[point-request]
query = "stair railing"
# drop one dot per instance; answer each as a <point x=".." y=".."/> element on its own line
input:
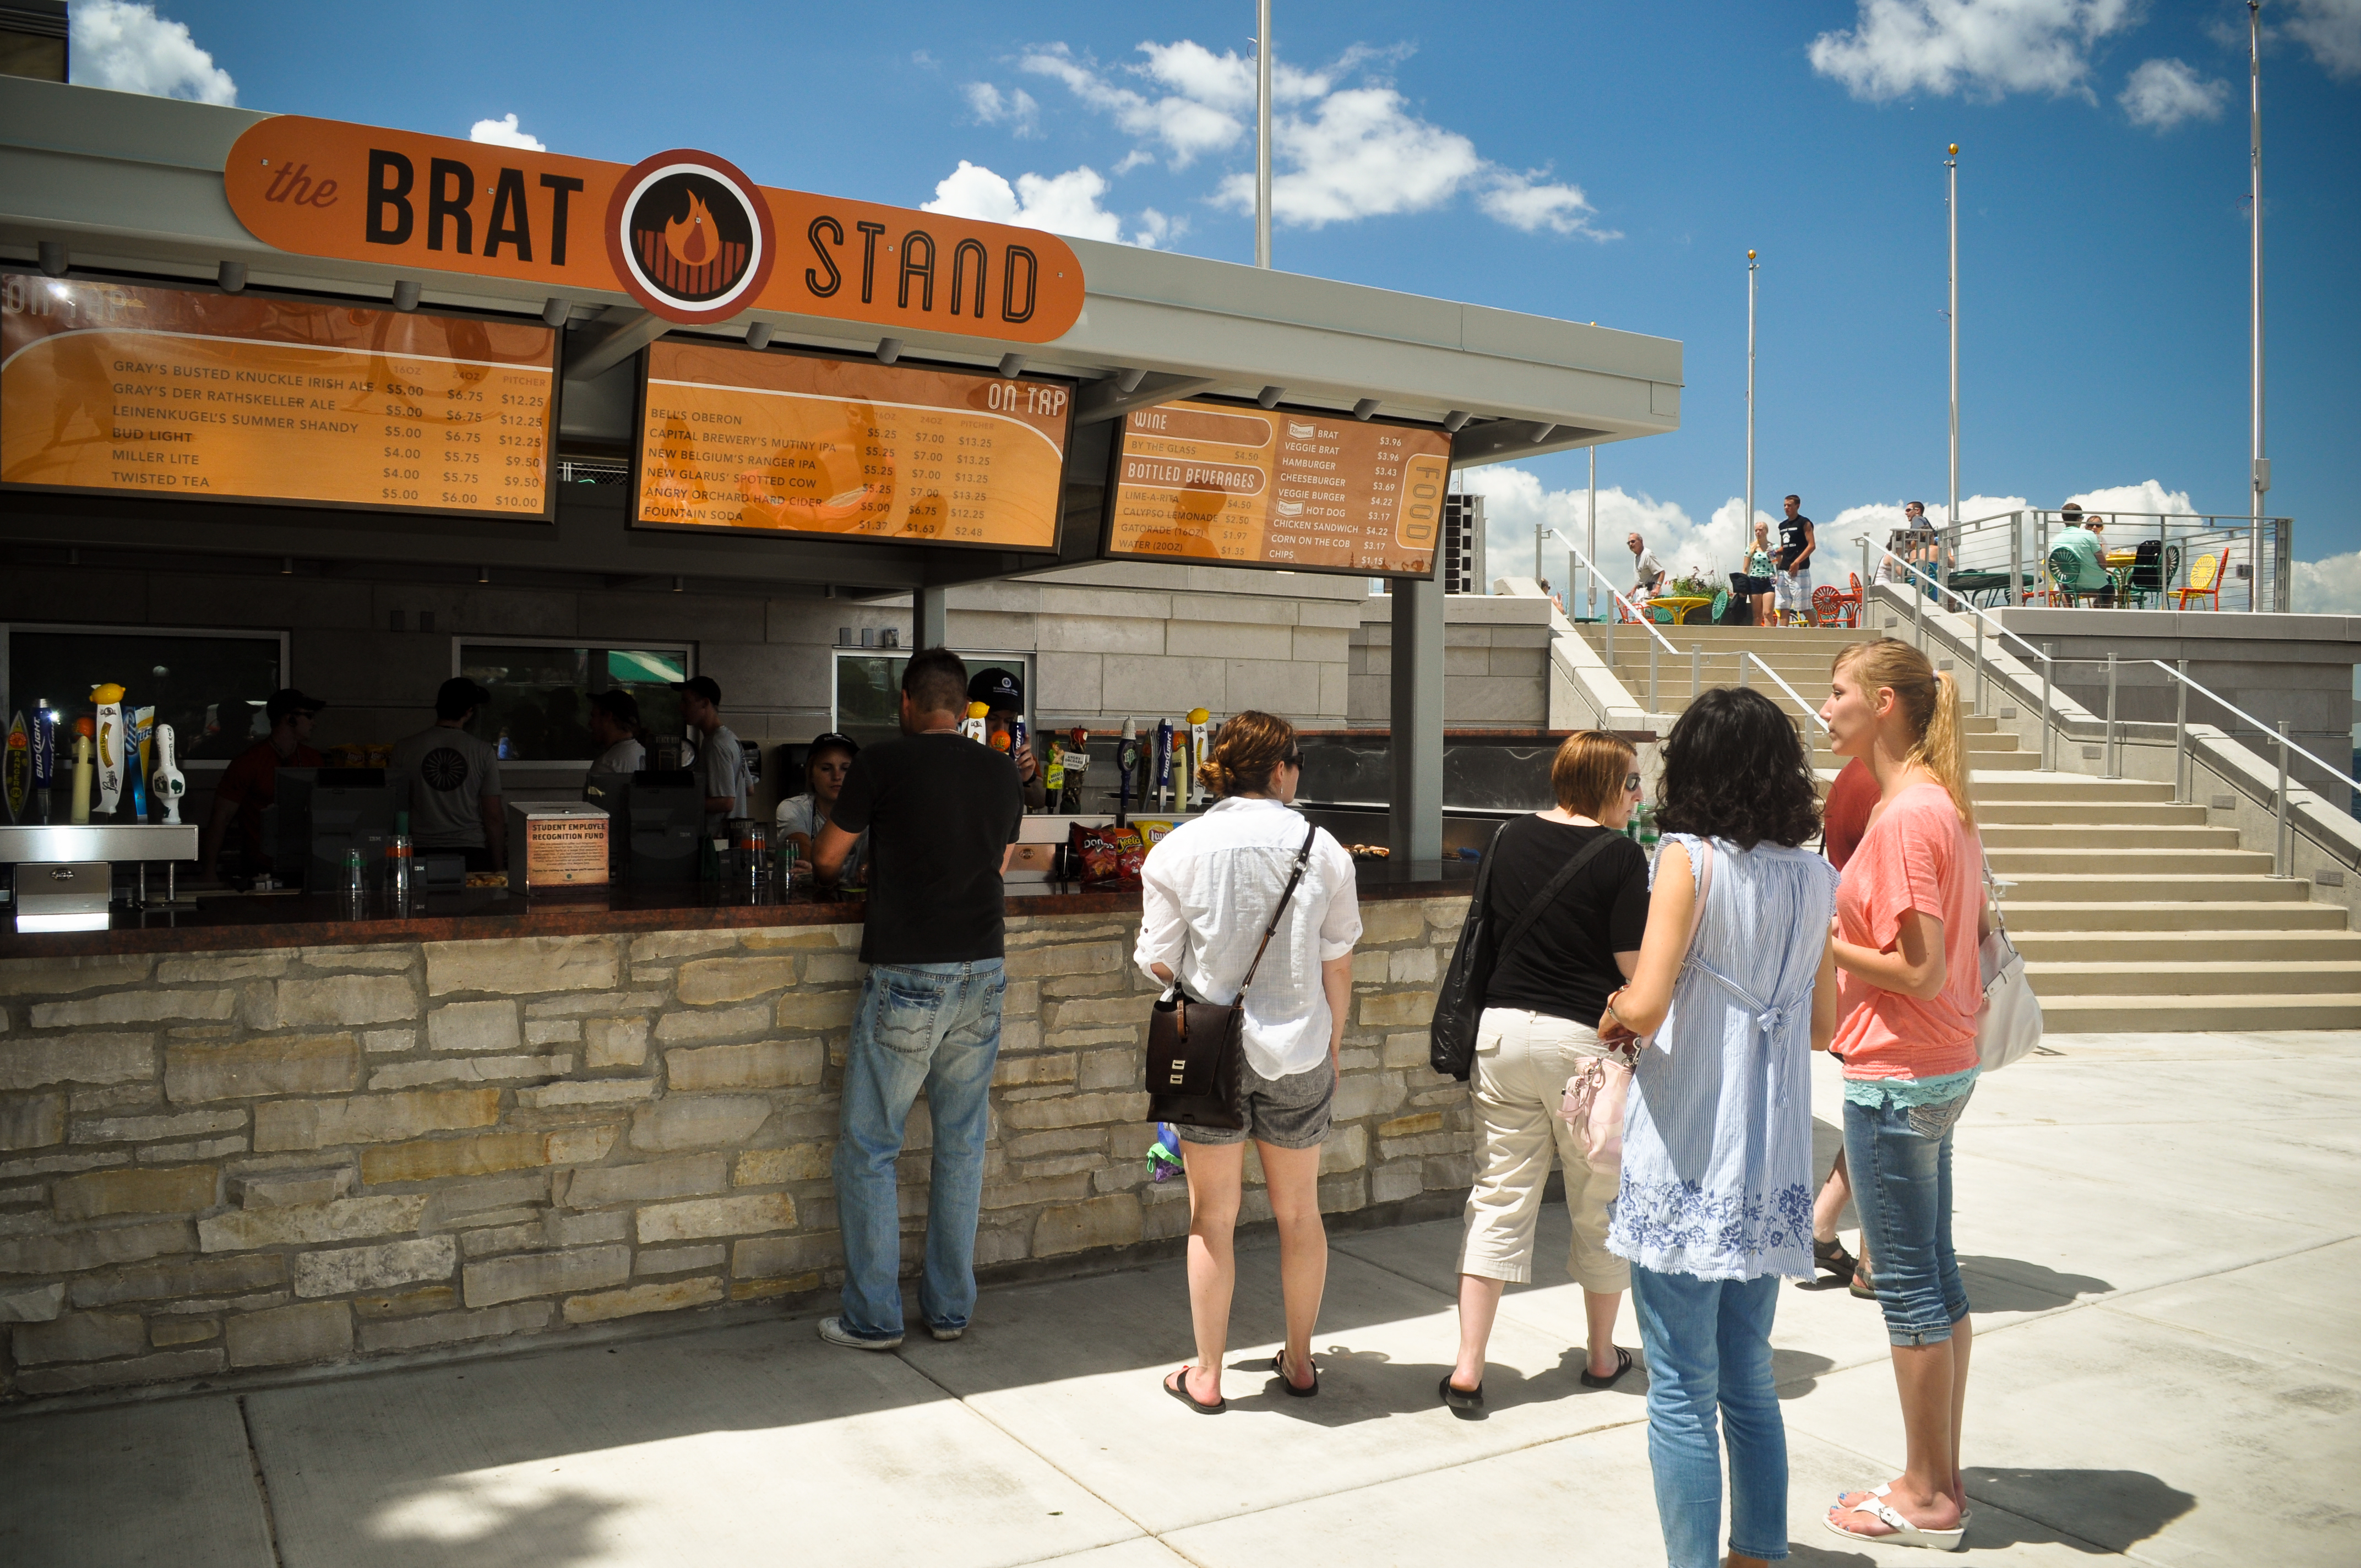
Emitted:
<point x="1810" y="712"/>
<point x="1659" y="644"/>
<point x="1915" y="579"/>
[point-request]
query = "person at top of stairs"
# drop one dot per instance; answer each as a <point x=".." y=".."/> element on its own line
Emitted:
<point x="1910" y="909"/>
<point x="1791" y="585"/>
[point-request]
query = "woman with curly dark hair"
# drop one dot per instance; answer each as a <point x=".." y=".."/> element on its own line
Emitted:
<point x="1734" y="987"/>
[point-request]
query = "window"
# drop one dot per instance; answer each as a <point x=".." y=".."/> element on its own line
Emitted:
<point x="210" y="687"/>
<point x="868" y="703"/>
<point x="540" y="710"/>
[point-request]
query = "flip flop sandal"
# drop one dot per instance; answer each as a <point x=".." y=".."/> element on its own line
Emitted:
<point x="1863" y="1285"/>
<point x="1900" y="1531"/>
<point x="1833" y="1257"/>
<point x="1177" y="1386"/>
<point x="1622" y="1365"/>
<point x="1279" y="1370"/>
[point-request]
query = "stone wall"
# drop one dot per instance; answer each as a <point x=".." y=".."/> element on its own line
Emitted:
<point x="278" y="1156"/>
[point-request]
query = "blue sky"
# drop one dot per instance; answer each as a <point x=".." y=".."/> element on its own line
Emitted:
<point x="1586" y="161"/>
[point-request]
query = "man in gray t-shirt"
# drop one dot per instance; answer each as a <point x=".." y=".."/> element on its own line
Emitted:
<point x="454" y="781"/>
<point x="720" y="766"/>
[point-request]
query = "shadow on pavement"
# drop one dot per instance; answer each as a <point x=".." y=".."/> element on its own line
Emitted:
<point x="2095" y="1511"/>
<point x="2010" y="1285"/>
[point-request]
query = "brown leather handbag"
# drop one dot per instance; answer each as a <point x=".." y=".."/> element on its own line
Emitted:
<point x="1197" y="1051"/>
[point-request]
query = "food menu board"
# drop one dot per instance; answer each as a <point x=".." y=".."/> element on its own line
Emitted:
<point x="1250" y="487"/>
<point x="128" y="389"/>
<point x="736" y="438"/>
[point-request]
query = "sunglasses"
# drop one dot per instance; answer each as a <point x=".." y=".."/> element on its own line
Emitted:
<point x="1631" y="783"/>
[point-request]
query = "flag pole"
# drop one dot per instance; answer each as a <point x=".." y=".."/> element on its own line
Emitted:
<point x="1262" y="133"/>
<point x="2259" y="469"/>
<point x="1951" y="200"/>
<point x="1746" y="523"/>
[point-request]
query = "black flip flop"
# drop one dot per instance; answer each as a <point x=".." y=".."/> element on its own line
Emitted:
<point x="1467" y="1401"/>
<point x="1622" y="1365"/>
<point x="1278" y="1366"/>
<point x="1177" y="1386"/>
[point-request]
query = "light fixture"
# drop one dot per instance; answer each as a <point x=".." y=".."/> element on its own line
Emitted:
<point x="1456" y="420"/>
<point x="483" y="575"/>
<point x="1542" y="433"/>
<point x="1012" y="365"/>
<point x="680" y="585"/>
<point x="1365" y="408"/>
<point x="405" y="294"/>
<point x="889" y="349"/>
<point x="53" y="257"/>
<point x="232" y="277"/>
<point x="287" y="567"/>
<point x="1128" y="381"/>
<point x="759" y="334"/>
<point x="1269" y="396"/>
<point x="554" y="312"/>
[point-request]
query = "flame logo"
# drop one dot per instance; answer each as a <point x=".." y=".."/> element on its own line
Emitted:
<point x="692" y="239"/>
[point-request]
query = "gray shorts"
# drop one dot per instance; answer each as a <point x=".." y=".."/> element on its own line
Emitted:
<point x="1289" y="1112"/>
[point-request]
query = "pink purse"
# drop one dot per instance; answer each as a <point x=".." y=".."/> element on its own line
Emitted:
<point x="1597" y="1093"/>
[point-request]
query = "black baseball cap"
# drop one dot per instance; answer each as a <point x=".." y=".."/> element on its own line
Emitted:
<point x="834" y="740"/>
<point x="287" y="700"/>
<point x="996" y="688"/>
<point x="618" y="705"/>
<point x="705" y="687"/>
<point x="456" y="695"/>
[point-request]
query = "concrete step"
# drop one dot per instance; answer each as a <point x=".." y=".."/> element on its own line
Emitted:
<point x="2184" y="1014"/>
<point x="2045" y="911"/>
<point x="2004" y="784"/>
<point x="1979" y="761"/>
<point x="2192" y="979"/>
<point x="2171" y="948"/>
<point x="1992" y="814"/>
<point x="2125" y="887"/>
<point x="2103" y="862"/>
<point x="2104" y="834"/>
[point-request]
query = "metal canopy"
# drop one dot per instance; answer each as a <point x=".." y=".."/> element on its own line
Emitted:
<point x="130" y="184"/>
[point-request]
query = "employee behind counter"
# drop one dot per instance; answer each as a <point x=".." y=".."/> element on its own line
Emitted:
<point x="454" y="781"/>
<point x="250" y="782"/>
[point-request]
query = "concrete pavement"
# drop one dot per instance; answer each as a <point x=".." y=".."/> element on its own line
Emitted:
<point x="2161" y="1233"/>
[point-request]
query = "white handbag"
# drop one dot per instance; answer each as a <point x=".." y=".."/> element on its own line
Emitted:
<point x="2008" y="1024"/>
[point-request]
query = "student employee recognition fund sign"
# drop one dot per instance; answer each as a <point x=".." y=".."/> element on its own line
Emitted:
<point x="739" y="438"/>
<point x="1247" y="486"/>
<point x="121" y="389"/>
<point x="437" y="204"/>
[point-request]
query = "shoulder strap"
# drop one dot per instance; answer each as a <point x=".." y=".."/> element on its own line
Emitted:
<point x="1301" y="856"/>
<point x="1549" y="890"/>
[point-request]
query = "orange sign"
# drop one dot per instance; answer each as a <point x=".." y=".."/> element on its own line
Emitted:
<point x="1249" y="487"/>
<point x="438" y="204"/>
<point x="115" y="388"/>
<point x="795" y="443"/>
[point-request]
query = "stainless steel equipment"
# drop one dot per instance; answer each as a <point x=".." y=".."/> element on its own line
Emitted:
<point x="37" y="851"/>
<point x="70" y="896"/>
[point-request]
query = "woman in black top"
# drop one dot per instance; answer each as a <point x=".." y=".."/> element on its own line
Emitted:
<point x="1541" y="1007"/>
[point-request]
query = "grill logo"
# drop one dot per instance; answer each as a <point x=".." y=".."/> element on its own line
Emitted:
<point x="690" y="237"/>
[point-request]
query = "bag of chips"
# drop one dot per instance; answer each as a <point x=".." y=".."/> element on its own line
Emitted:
<point x="1109" y="857"/>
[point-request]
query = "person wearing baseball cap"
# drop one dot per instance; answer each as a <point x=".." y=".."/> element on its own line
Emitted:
<point x="1003" y="693"/>
<point x="801" y="817"/>
<point x="720" y="765"/>
<point x="251" y="782"/>
<point x="454" y="781"/>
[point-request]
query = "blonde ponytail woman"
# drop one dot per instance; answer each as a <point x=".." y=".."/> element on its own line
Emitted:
<point x="1910" y="911"/>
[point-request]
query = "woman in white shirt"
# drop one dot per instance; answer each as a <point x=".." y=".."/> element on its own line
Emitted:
<point x="1207" y="893"/>
<point x="801" y="817"/>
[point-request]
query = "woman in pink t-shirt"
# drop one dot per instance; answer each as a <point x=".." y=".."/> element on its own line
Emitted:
<point x="1910" y="917"/>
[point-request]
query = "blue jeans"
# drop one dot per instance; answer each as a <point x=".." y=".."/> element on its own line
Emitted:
<point x="1900" y="1157"/>
<point x="931" y="1026"/>
<point x="1708" y="1343"/>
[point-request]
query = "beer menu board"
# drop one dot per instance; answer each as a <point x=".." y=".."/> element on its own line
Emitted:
<point x="1249" y="487"/>
<point x="735" y="438"/>
<point x="128" y="389"/>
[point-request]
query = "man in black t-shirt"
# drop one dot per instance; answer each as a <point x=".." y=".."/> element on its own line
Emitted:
<point x="1792" y="583"/>
<point x="942" y="813"/>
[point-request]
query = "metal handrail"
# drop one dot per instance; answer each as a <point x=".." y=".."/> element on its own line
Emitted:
<point x="1576" y="551"/>
<point x="1917" y="575"/>
<point x="2280" y="734"/>
<point x="1810" y="711"/>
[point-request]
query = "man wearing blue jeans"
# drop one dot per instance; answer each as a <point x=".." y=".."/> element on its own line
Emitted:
<point x="942" y="813"/>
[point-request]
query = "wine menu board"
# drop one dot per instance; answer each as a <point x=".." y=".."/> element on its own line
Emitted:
<point x="128" y="389"/>
<point x="1250" y="487"/>
<point x="736" y="438"/>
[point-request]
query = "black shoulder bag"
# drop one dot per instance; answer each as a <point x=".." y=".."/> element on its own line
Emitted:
<point x="1459" y="1002"/>
<point x="1197" y="1051"/>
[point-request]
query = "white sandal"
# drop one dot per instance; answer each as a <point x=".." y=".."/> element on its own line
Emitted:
<point x="1904" y="1534"/>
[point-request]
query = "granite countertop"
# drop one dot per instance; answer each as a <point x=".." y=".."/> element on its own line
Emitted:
<point x="288" y="920"/>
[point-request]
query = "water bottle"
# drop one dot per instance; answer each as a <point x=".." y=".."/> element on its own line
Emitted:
<point x="355" y="885"/>
<point x="401" y="860"/>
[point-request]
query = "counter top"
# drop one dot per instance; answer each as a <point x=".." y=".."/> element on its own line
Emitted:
<point x="290" y="920"/>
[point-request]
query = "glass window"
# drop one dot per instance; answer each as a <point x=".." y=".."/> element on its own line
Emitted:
<point x="541" y="694"/>
<point x="208" y="685"/>
<point x="869" y="689"/>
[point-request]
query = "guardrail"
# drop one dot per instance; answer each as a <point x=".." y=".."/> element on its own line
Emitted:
<point x="1637" y="614"/>
<point x="2018" y="543"/>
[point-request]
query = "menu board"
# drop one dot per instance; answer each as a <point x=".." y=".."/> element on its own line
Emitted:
<point x="735" y="438"/>
<point x="126" y="390"/>
<point x="1249" y="487"/>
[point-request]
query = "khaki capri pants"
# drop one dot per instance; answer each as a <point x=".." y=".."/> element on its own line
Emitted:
<point x="1523" y="1060"/>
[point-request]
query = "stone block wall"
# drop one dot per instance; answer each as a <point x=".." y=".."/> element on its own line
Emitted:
<point x="262" y="1158"/>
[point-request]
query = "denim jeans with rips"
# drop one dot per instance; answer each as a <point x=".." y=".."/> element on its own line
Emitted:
<point x="1709" y="1344"/>
<point x="934" y="1027"/>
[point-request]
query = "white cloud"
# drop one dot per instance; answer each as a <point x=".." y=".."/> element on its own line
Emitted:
<point x="2163" y="92"/>
<point x="129" y="48"/>
<point x="2332" y="586"/>
<point x="1985" y="48"/>
<point x="504" y="132"/>
<point x="2147" y="495"/>
<point x="2331" y="29"/>
<point x="1339" y="152"/>
<point x="1017" y="107"/>
<point x="1062" y="203"/>
<point x="1515" y="503"/>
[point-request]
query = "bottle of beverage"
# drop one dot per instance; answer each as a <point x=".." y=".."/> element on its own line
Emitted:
<point x="1646" y="816"/>
<point x="401" y="861"/>
<point x="355" y="885"/>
